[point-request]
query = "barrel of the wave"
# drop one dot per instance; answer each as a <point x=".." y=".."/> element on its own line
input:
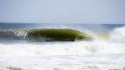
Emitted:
<point x="50" y="35"/>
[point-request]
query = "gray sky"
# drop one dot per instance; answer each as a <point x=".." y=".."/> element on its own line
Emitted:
<point x="62" y="11"/>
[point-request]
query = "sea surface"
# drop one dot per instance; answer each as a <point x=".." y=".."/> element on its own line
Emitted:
<point x="105" y="52"/>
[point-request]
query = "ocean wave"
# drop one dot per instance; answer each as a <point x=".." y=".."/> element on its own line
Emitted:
<point x="116" y="35"/>
<point x="47" y="35"/>
<point x="35" y="54"/>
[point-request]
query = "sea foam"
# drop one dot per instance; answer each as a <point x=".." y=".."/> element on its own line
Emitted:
<point x="118" y="35"/>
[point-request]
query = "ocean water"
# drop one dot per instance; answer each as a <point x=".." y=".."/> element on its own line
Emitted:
<point x="105" y="52"/>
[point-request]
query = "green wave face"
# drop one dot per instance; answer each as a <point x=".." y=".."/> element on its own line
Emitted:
<point x="55" y="35"/>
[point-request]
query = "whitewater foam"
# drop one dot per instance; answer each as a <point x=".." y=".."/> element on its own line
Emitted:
<point x="118" y="35"/>
<point x="67" y="48"/>
<point x="33" y="55"/>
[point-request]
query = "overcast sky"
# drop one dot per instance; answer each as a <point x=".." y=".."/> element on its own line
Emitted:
<point x="62" y="11"/>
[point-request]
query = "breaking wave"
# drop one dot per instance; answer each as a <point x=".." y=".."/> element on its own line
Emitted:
<point x="105" y="48"/>
<point x="22" y="34"/>
<point x="116" y="35"/>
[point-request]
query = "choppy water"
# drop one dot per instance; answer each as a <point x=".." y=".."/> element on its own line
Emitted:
<point x="105" y="52"/>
